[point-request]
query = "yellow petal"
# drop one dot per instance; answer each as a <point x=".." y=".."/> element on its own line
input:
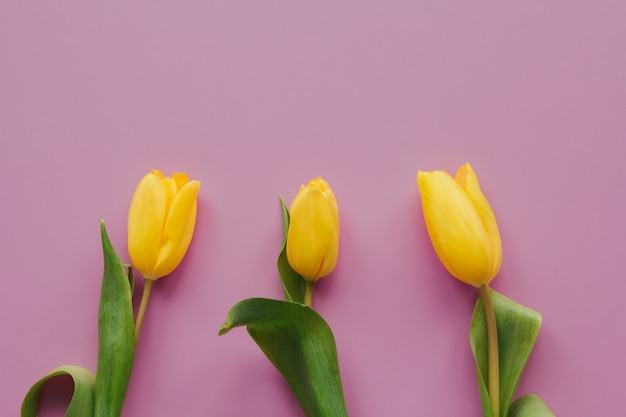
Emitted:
<point x="467" y="179"/>
<point x="332" y="252"/>
<point x="146" y="217"/>
<point x="170" y="186"/>
<point x="455" y="229"/>
<point x="178" y="230"/>
<point x="313" y="235"/>
<point x="181" y="179"/>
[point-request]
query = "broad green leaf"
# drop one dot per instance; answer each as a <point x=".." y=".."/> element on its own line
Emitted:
<point x="81" y="404"/>
<point x="116" y="335"/>
<point x="530" y="406"/>
<point x="518" y="327"/>
<point x="301" y="346"/>
<point x="294" y="286"/>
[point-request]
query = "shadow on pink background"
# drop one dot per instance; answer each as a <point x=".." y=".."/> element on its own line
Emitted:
<point x="255" y="98"/>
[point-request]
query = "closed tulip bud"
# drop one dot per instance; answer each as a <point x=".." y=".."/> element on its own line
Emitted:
<point x="313" y="234"/>
<point x="461" y="225"/>
<point x="161" y="221"/>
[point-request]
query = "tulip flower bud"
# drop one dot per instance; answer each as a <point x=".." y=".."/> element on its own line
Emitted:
<point x="161" y="221"/>
<point x="313" y="234"/>
<point x="461" y="225"/>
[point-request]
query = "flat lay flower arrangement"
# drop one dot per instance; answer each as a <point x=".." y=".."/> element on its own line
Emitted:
<point x="292" y="335"/>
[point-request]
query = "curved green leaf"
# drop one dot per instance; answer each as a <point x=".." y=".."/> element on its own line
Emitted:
<point x="116" y="335"/>
<point x="530" y="406"/>
<point x="518" y="327"/>
<point x="301" y="346"/>
<point x="294" y="286"/>
<point x="81" y="404"/>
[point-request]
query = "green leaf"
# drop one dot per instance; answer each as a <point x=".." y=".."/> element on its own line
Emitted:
<point x="131" y="277"/>
<point x="530" y="406"/>
<point x="301" y="346"/>
<point x="518" y="327"/>
<point x="81" y="404"/>
<point x="294" y="286"/>
<point x="116" y="335"/>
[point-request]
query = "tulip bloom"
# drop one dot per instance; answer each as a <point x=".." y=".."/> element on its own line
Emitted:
<point x="461" y="225"/>
<point x="161" y="221"/>
<point x="313" y="234"/>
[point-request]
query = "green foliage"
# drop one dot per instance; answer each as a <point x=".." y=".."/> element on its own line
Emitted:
<point x="81" y="404"/>
<point x="530" y="406"/>
<point x="301" y="346"/>
<point x="116" y="335"/>
<point x="104" y="394"/>
<point x="518" y="327"/>
<point x="294" y="286"/>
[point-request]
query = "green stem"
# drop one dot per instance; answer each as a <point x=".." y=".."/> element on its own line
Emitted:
<point x="308" y="293"/>
<point x="147" y="287"/>
<point x="492" y="344"/>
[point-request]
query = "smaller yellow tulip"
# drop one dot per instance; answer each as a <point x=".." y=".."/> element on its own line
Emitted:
<point x="161" y="221"/>
<point x="461" y="225"/>
<point x="313" y="234"/>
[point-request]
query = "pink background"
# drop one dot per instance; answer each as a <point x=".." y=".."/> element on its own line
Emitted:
<point x="254" y="98"/>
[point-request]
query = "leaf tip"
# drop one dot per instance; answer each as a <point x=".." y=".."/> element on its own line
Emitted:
<point x="224" y="329"/>
<point x="106" y="242"/>
<point x="103" y="232"/>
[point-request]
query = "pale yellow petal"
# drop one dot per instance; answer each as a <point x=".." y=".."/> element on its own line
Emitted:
<point x="146" y="217"/>
<point x="178" y="230"/>
<point x="455" y="229"/>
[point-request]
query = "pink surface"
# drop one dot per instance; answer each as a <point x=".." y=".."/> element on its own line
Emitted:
<point x="254" y="98"/>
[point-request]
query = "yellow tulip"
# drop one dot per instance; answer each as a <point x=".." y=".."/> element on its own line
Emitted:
<point x="161" y="221"/>
<point x="461" y="225"/>
<point x="313" y="234"/>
